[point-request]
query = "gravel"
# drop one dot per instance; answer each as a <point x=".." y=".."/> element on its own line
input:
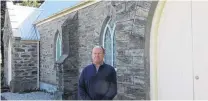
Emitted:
<point x="27" y="96"/>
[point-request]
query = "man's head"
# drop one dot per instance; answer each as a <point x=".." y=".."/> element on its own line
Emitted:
<point x="98" y="53"/>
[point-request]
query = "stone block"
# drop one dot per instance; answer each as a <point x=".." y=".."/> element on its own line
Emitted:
<point x="137" y="30"/>
<point x="33" y="49"/>
<point x="130" y="6"/>
<point x="134" y="52"/>
<point x="124" y="60"/>
<point x="141" y="12"/>
<point x="116" y="3"/>
<point x="119" y="7"/>
<point x="126" y="78"/>
<point x="141" y="22"/>
<point x="135" y="70"/>
<point x="19" y="50"/>
<point x="139" y="80"/>
<point x="124" y="26"/>
<point x="17" y="65"/>
<point x="138" y="60"/>
<point x="121" y="44"/>
<point x="125" y="16"/>
<point x="34" y="72"/>
<point x="120" y="52"/>
<point x="121" y="87"/>
<point x="31" y="64"/>
<point x="122" y="35"/>
<point x="25" y="55"/>
<point x="135" y="43"/>
<point x="144" y="4"/>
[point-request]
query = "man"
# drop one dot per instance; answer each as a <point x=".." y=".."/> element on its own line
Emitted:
<point x="97" y="80"/>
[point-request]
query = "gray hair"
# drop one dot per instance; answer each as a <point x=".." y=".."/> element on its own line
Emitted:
<point x="101" y="48"/>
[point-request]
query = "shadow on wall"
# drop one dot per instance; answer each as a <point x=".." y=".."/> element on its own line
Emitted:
<point x="70" y="46"/>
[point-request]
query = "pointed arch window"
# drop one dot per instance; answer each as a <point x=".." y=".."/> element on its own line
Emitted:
<point x="109" y="43"/>
<point x="58" y="46"/>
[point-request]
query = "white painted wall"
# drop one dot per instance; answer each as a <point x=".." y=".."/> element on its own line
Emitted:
<point x="175" y="73"/>
<point x="200" y="50"/>
<point x="179" y="52"/>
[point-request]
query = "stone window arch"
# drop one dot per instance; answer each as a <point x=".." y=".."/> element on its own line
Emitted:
<point x="108" y="41"/>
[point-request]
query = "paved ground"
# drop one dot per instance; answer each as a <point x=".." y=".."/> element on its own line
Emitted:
<point x="27" y="96"/>
<point x="2" y="98"/>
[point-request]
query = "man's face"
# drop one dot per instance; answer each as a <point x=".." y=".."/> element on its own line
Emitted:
<point x="97" y="55"/>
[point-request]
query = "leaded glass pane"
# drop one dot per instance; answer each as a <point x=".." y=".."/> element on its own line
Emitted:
<point x="108" y="47"/>
<point x="58" y="48"/>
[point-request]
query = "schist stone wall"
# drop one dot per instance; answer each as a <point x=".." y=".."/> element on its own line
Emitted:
<point x="82" y="30"/>
<point x="24" y="66"/>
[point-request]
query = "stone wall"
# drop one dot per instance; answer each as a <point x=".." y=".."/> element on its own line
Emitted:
<point x="81" y="31"/>
<point x="131" y="20"/>
<point x="49" y="31"/>
<point x="70" y="47"/>
<point x="24" y="66"/>
<point x="24" y="60"/>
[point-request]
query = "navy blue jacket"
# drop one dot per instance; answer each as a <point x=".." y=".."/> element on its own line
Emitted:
<point x="97" y="85"/>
